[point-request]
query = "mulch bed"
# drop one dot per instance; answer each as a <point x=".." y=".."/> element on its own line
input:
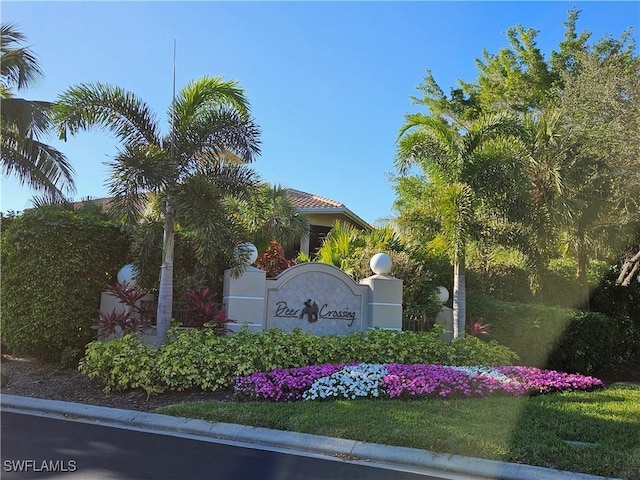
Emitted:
<point x="27" y="377"/>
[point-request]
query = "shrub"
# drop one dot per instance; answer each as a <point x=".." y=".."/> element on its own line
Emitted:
<point x="503" y="282"/>
<point x="530" y="330"/>
<point x="201" y="359"/>
<point x="594" y="343"/>
<point x="121" y="322"/>
<point x="615" y="300"/>
<point x="473" y="351"/>
<point x="55" y="263"/>
<point x="122" y="363"/>
<point x="195" y="358"/>
<point x="201" y="310"/>
<point x="559" y="338"/>
<point x="273" y="260"/>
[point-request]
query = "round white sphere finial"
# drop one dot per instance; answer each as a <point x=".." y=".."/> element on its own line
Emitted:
<point x="128" y="274"/>
<point x="443" y="294"/>
<point x="250" y="249"/>
<point x="381" y="263"/>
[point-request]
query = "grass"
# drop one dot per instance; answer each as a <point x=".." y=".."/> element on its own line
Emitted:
<point x="604" y="426"/>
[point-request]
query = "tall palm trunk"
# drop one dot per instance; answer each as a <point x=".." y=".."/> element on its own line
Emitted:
<point x="459" y="296"/>
<point x="583" y="282"/>
<point x="165" y="291"/>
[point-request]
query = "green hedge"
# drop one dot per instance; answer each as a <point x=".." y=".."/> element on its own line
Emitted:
<point x="559" y="338"/>
<point x="55" y="263"/>
<point x="200" y="359"/>
<point x="594" y="343"/>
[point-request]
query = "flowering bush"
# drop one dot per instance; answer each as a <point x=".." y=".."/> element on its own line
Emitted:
<point x="536" y="380"/>
<point x="405" y="381"/>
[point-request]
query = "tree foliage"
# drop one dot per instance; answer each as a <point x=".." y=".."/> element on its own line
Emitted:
<point x="268" y="214"/>
<point x="191" y="171"/>
<point x="26" y="122"/>
<point x="577" y="191"/>
<point x="469" y="173"/>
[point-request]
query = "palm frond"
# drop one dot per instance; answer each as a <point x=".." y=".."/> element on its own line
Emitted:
<point x="18" y="65"/>
<point x="137" y="170"/>
<point x="30" y="118"/>
<point x="230" y="179"/>
<point x="429" y="142"/>
<point x="107" y="107"/>
<point x="147" y="243"/>
<point x="37" y="164"/>
<point x="269" y="215"/>
<point x="220" y="134"/>
<point x="201" y="210"/>
<point x="204" y="94"/>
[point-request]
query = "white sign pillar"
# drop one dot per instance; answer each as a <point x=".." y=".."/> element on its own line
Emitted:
<point x="243" y="296"/>
<point x="385" y="295"/>
<point x="243" y="299"/>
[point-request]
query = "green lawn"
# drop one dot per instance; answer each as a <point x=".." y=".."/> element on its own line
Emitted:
<point x="530" y="430"/>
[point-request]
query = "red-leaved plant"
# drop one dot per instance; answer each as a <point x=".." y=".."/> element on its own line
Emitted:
<point x="201" y="311"/>
<point x="479" y="329"/>
<point x="120" y="322"/>
<point x="273" y="260"/>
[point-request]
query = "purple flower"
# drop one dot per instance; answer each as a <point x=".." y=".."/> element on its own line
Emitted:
<point x="410" y="381"/>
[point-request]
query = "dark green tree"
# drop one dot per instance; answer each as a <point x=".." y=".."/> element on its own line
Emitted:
<point x="56" y="261"/>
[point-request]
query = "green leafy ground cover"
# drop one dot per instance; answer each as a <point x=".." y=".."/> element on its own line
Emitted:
<point x="530" y="430"/>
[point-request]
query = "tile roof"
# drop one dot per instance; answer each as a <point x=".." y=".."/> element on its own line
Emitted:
<point x="303" y="200"/>
<point x="298" y="198"/>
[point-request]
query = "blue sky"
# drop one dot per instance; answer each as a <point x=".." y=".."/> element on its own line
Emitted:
<point x="329" y="82"/>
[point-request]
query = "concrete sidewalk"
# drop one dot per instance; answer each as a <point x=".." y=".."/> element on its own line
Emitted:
<point x="451" y="466"/>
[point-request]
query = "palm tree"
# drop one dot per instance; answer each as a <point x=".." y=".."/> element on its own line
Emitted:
<point x="270" y="215"/>
<point x="571" y="192"/>
<point x="340" y="248"/>
<point x="24" y="122"/>
<point x="351" y="249"/>
<point x="465" y="167"/>
<point x="192" y="169"/>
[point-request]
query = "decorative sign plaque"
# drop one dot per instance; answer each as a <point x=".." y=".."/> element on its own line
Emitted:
<point x="318" y="298"/>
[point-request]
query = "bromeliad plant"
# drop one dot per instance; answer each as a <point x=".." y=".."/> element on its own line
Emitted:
<point x="479" y="329"/>
<point x="120" y="322"/>
<point x="201" y="311"/>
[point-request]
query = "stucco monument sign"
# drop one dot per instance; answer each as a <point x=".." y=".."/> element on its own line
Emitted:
<point x="314" y="297"/>
<point x="317" y="298"/>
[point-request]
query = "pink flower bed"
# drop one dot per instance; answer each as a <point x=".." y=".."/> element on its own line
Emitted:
<point x="282" y="384"/>
<point x="406" y="381"/>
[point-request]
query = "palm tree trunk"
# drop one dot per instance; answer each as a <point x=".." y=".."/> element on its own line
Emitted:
<point x="583" y="282"/>
<point x="165" y="291"/>
<point x="459" y="296"/>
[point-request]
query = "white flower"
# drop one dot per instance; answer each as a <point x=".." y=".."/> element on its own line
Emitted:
<point x="361" y="380"/>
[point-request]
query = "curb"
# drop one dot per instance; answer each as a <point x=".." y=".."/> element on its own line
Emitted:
<point x="264" y="437"/>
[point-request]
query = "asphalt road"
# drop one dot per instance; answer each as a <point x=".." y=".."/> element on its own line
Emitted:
<point x="43" y="448"/>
